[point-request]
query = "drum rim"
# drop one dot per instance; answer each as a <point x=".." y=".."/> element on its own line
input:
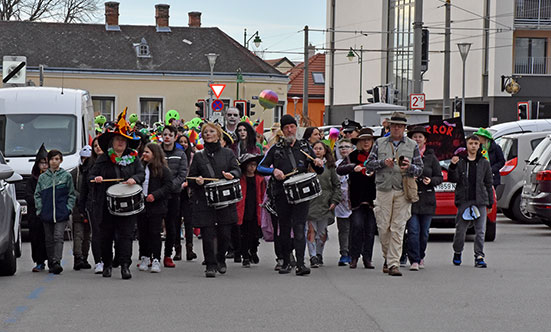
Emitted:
<point x="305" y="199"/>
<point x="303" y="176"/>
<point x="221" y="182"/>
<point x="127" y="214"/>
<point x="124" y="195"/>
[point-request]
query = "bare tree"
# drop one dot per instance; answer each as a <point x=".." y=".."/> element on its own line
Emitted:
<point x="66" y="11"/>
<point x="74" y="11"/>
<point x="9" y="10"/>
<point x="34" y="10"/>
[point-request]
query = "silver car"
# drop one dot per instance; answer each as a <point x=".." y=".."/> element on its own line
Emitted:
<point x="536" y="192"/>
<point x="10" y="219"/>
<point x="517" y="148"/>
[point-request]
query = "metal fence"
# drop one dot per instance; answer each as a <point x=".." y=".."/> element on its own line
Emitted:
<point x="531" y="12"/>
<point x="531" y="65"/>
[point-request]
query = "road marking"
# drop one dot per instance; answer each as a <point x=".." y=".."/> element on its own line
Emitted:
<point x="35" y="293"/>
<point x="19" y="310"/>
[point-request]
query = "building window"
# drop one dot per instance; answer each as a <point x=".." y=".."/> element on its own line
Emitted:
<point x="530" y="55"/>
<point x="278" y="111"/>
<point x="104" y="106"/>
<point x="142" y="49"/>
<point x="533" y="12"/>
<point x="151" y="110"/>
<point x="318" y="78"/>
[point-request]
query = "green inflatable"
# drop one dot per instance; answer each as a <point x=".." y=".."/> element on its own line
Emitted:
<point x="172" y="114"/>
<point x="100" y="120"/>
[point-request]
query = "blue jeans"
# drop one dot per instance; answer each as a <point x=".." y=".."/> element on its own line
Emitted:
<point x="418" y="235"/>
<point x="362" y="233"/>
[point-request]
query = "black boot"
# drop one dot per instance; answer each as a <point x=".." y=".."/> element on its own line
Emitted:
<point x="125" y="271"/>
<point x="107" y="271"/>
<point x="190" y="255"/>
<point x="77" y="264"/>
<point x="178" y="254"/>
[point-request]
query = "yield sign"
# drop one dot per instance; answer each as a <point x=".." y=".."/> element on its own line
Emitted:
<point x="217" y="89"/>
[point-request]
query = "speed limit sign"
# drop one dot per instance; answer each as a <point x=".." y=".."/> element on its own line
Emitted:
<point x="417" y="101"/>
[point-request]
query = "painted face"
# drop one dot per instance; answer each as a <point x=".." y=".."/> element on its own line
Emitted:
<point x="232" y="117"/>
<point x="54" y="162"/>
<point x="472" y="146"/>
<point x="168" y="137"/>
<point x="319" y="151"/>
<point x="419" y="139"/>
<point x="119" y="143"/>
<point x="210" y="135"/>
<point x="147" y="154"/>
<point x="345" y="149"/>
<point x="242" y="133"/>
<point x="97" y="148"/>
<point x="316" y="136"/>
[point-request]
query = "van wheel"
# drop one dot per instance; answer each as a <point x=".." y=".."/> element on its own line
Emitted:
<point x="8" y="265"/>
<point x="520" y="214"/>
<point x="490" y="234"/>
<point x="508" y="213"/>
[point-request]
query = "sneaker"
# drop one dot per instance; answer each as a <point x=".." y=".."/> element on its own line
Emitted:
<point x="285" y="269"/>
<point x="314" y="262"/>
<point x="479" y="262"/>
<point x="155" y="266"/>
<point x="86" y="265"/>
<point x="39" y="267"/>
<point x="422" y="264"/>
<point x="254" y="258"/>
<point x="167" y="262"/>
<point x="99" y="268"/>
<point x="210" y="273"/>
<point x="246" y="263"/>
<point x="56" y="269"/>
<point x="414" y="267"/>
<point x="144" y="264"/>
<point x="230" y="254"/>
<point x="404" y="261"/>
<point x="394" y="271"/>
<point x="320" y="259"/>
<point x="222" y="268"/>
<point x="78" y="263"/>
<point x="342" y="261"/>
<point x="302" y="270"/>
<point x="279" y="264"/>
<point x="457" y="259"/>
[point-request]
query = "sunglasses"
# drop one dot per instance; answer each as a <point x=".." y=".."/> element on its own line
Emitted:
<point x="233" y="115"/>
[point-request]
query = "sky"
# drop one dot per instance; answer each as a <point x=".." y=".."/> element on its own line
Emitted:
<point x="279" y="24"/>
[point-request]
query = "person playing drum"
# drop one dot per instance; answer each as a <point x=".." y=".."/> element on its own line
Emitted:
<point x="120" y="161"/>
<point x="283" y="158"/>
<point x="215" y="222"/>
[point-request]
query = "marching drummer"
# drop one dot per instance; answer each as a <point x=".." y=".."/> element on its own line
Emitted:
<point x="119" y="161"/>
<point x="286" y="157"/>
<point x="217" y="162"/>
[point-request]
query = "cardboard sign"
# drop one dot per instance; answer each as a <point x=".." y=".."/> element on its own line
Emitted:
<point x="445" y="137"/>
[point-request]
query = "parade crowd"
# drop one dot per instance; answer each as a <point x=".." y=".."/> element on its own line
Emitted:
<point x="232" y="186"/>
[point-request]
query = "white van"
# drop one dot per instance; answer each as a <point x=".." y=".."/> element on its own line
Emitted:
<point x="60" y="118"/>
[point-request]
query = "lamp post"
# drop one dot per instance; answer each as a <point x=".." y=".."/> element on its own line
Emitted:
<point x="212" y="60"/>
<point x="239" y="79"/>
<point x="256" y="40"/>
<point x="464" y="51"/>
<point x="351" y="55"/>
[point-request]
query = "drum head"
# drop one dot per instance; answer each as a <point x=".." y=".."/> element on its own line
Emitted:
<point x="221" y="183"/>
<point x="301" y="177"/>
<point x="123" y="190"/>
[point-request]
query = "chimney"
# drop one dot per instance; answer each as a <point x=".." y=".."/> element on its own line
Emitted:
<point x="194" y="19"/>
<point x="112" y="16"/>
<point x="161" y="17"/>
<point x="311" y="51"/>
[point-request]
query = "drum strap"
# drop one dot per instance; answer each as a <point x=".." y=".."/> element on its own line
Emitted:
<point x="209" y="166"/>
<point x="118" y="171"/>
<point x="292" y="158"/>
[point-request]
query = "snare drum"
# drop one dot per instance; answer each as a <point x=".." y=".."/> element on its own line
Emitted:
<point x="223" y="192"/>
<point x="302" y="188"/>
<point x="125" y="199"/>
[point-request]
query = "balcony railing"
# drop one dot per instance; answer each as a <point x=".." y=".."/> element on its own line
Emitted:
<point x="532" y="65"/>
<point x="533" y="12"/>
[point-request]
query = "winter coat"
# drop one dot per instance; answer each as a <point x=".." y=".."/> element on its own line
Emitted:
<point x="85" y="189"/>
<point x="361" y="188"/>
<point x="497" y="161"/>
<point x="29" y="197"/>
<point x="427" y="197"/>
<point x="108" y="170"/>
<point x="178" y="165"/>
<point x="160" y="187"/>
<point x="330" y="194"/>
<point x="220" y="159"/>
<point x="457" y="173"/>
<point x="54" y="196"/>
<point x="260" y="192"/>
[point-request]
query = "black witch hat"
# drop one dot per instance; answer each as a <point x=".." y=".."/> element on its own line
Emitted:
<point x="41" y="154"/>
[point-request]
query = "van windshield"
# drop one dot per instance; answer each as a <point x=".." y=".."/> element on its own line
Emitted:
<point x="22" y="134"/>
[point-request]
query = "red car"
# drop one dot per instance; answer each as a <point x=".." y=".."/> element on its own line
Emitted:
<point x="444" y="216"/>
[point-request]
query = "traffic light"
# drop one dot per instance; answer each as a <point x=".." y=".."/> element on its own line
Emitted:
<point x="241" y="105"/>
<point x="425" y="50"/>
<point x="375" y="93"/>
<point x="249" y="109"/>
<point x="201" y="108"/>
<point x="523" y="110"/>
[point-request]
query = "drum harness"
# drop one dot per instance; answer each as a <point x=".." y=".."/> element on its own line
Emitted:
<point x="213" y="175"/>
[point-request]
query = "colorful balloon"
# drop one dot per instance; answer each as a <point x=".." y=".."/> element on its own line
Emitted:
<point x="268" y="99"/>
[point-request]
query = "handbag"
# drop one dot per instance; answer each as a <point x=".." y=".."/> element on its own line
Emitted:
<point x="410" y="188"/>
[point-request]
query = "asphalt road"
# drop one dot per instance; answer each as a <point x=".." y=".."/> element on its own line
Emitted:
<point x="512" y="294"/>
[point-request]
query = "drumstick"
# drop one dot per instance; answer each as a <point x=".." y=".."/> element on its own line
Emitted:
<point x="108" y="180"/>
<point x="291" y="173"/>
<point x="307" y="155"/>
<point x="206" y="179"/>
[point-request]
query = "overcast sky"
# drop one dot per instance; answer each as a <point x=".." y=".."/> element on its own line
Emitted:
<point x="278" y="22"/>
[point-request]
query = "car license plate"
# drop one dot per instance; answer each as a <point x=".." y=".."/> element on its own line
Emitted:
<point x="445" y="186"/>
<point x="23" y="209"/>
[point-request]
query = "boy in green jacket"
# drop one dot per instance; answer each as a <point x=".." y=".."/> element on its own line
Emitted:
<point x="54" y="199"/>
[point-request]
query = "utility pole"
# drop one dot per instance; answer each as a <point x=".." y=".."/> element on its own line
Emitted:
<point x="486" y="45"/>
<point x="446" y="109"/>
<point x="305" y="86"/>
<point x="417" y="48"/>
<point x="331" y="64"/>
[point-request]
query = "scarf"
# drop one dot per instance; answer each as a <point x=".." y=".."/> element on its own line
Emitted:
<point x="485" y="148"/>
<point x="123" y="160"/>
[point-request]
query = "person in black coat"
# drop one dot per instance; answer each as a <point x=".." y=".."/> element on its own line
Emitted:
<point x="157" y="187"/>
<point x="119" y="161"/>
<point x="215" y="223"/>
<point x="185" y="206"/>
<point x="422" y="211"/>
<point x="36" y="226"/>
<point x="491" y="151"/>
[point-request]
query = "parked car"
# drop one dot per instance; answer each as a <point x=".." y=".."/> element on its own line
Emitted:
<point x="446" y="210"/>
<point x="521" y="126"/>
<point x="517" y="148"/>
<point x="10" y="220"/>
<point x="536" y="192"/>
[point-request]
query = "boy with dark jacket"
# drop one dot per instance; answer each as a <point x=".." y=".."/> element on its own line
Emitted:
<point x="473" y="194"/>
<point x="54" y="200"/>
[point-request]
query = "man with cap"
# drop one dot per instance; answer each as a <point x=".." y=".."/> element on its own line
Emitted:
<point x="391" y="159"/>
<point x="492" y="152"/>
<point x="287" y="156"/>
<point x="350" y="128"/>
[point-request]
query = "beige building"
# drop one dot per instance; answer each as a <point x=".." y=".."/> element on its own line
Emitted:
<point x="149" y="69"/>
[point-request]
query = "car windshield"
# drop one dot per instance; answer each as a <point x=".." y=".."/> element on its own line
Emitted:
<point x="538" y="151"/>
<point x="22" y="134"/>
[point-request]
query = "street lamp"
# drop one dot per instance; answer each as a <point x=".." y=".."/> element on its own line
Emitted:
<point x="256" y="40"/>
<point x="239" y="79"/>
<point x="212" y="60"/>
<point x="464" y="51"/>
<point x="351" y="55"/>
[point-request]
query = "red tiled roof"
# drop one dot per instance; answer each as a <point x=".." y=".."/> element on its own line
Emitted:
<point x="296" y="77"/>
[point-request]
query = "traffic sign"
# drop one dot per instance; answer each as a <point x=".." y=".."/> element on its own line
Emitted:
<point x="217" y="89"/>
<point x="417" y="101"/>
<point x="14" y="70"/>
<point x="217" y="105"/>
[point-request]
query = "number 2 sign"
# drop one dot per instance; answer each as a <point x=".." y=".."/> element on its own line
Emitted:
<point x="417" y="101"/>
